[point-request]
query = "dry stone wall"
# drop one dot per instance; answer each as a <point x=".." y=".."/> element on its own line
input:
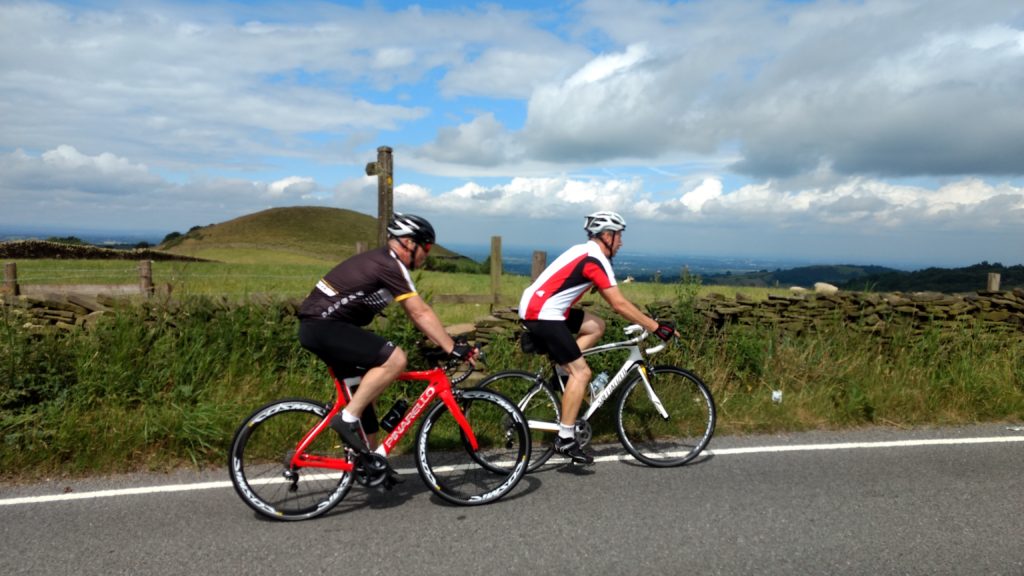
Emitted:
<point x="870" y="312"/>
<point x="57" y="311"/>
<point x="36" y="249"/>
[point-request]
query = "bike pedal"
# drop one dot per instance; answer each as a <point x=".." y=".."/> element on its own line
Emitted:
<point x="392" y="480"/>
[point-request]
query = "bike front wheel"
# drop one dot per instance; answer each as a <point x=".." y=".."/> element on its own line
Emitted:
<point x="453" y="469"/>
<point x="538" y="404"/>
<point x="669" y="423"/>
<point x="260" y="462"/>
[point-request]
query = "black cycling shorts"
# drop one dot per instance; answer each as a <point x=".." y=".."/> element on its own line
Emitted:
<point x="558" y="337"/>
<point x="349" y="350"/>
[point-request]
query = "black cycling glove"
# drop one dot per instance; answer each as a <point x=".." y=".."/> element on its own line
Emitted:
<point x="666" y="329"/>
<point x="462" y="351"/>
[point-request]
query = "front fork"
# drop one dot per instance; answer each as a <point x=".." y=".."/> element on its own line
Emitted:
<point x="646" y="373"/>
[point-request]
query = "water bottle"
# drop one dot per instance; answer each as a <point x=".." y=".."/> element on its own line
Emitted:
<point x="599" y="383"/>
<point x="394" y="416"/>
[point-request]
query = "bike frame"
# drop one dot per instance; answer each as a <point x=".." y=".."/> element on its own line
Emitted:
<point x="439" y="387"/>
<point x="637" y="360"/>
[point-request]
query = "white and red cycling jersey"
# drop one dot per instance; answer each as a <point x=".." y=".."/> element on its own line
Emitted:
<point x="565" y="281"/>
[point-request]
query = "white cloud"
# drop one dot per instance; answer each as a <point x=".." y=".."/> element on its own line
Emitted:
<point x="752" y="117"/>
<point x="611" y="108"/>
<point x="359" y="194"/>
<point x="410" y="195"/>
<point x="512" y="71"/>
<point x="872" y="204"/>
<point x="66" y="157"/>
<point x="607" y="65"/>
<point x="481" y="142"/>
<point x="75" y="189"/>
<point x="393" y="57"/>
<point x="709" y="189"/>
<point x="292" y="187"/>
<point x="64" y="169"/>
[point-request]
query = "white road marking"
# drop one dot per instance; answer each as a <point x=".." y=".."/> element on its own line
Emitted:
<point x="711" y="451"/>
<point x="859" y="445"/>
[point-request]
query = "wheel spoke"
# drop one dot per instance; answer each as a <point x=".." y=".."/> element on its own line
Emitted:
<point x="540" y="406"/>
<point x="459" y="474"/>
<point x="666" y="420"/>
<point x="260" y="462"/>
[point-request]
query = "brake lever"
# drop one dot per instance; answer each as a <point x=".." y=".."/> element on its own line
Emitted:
<point x="453" y="364"/>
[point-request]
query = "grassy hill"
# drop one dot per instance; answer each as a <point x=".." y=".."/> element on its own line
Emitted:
<point x="878" y="278"/>
<point x="293" y="235"/>
<point x="949" y="280"/>
<point x="802" y="276"/>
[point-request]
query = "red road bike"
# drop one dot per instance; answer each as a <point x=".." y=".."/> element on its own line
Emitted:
<point x="472" y="448"/>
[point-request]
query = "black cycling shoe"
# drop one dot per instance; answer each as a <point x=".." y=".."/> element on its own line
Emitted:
<point x="570" y="448"/>
<point x="351" y="434"/>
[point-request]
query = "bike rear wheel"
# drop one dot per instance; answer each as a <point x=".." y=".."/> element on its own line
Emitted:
<point x="670" y="439"/>
<point x="450" y="467"/>
<point x="259" y="462"/>
<point x="538" y="403"/>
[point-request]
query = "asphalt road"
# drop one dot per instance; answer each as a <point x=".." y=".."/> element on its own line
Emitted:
<point x="877" y="501"/>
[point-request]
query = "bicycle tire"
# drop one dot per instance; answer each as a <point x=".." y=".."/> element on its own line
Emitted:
<point x="537" y="402"/>
<point x="451" y="469"/>
<point x="664" y="442"/>
<point x="259" y="455"/>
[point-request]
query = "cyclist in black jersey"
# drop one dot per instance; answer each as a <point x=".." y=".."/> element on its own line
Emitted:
<point x="332" y="317"/>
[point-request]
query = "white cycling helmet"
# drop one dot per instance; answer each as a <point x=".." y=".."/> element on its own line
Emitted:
<point x="603" y="220"/>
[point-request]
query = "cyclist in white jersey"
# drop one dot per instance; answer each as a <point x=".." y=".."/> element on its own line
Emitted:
<point x="563" y="331"/>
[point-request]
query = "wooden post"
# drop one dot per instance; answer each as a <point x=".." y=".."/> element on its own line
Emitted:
<point x="993" y="282"/>
<point x="382" y="169"/>
<point x="146" y="277"/>
<point x="11" y="279"/>
<point x="540" y="261"/>
<point x="360" y="247"/>
<point x="495" y="268"/>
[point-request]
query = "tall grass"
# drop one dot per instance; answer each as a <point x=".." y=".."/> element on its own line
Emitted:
<point x="148" y="387"/>
<point x="166" y="383"/>
<point x="839" y="377"/>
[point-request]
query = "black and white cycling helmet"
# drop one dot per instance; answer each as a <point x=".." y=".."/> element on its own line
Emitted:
<point x="603" y="220"/>
<point x="413" y="226"/>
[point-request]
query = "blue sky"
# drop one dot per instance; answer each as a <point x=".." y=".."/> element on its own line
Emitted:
<point x="872" y="132"/>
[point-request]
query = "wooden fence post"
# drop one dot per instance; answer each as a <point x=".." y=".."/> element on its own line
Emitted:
<point x="383" y="169"/>
<point x="540" y="262"/>
<point x="495" y="268"/>
<point x="993" y="282"/>
<point x="360" y="247"/>
<point x="11" y="278"/>
<point x="146" y="277"/>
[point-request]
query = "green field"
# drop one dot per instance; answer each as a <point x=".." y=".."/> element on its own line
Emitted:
<point x="287" y="279"/>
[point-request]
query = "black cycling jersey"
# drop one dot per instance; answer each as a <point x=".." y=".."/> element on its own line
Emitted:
<point x="359" y="288"/>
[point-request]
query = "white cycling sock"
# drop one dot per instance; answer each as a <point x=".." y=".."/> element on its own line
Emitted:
<point x="566" y="432"/>
<point x="346" y="417"/>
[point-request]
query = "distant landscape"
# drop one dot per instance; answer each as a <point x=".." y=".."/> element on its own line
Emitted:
<point x="310" y="235"/>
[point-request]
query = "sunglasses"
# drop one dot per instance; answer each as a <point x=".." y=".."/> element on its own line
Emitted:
<point x="425" y="246"/>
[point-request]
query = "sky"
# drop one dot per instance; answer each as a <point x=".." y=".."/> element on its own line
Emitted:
<point x="863" y="132"/>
